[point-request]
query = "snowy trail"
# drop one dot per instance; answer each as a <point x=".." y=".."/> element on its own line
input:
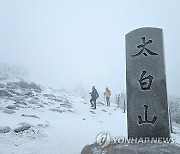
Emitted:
<point x="72" y="132"/>
<point x="59" y="128"/>
<point x="66" y="132"/>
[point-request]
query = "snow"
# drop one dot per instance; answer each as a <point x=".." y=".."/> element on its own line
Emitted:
<point x="66" y="132"/>
<point x="54" y="132"/>
<point x="59" y="122"/>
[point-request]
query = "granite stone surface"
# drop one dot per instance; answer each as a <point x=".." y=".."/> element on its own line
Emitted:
<point x="147" y="107"/>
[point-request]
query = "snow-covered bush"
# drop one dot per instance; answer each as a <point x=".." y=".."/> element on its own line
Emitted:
<point x="10" y="71"/>
<point x="174" y="104"/>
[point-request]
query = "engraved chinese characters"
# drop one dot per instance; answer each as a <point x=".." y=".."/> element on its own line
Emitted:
<point x="147" y="108"/>
<point x="145" y="82"/>
<point x="145" y="117"/>
<point x="143" y="46"/>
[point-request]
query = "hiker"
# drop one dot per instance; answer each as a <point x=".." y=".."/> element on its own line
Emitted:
<point x="107" y="95"/>
<point x="94" y="95"/>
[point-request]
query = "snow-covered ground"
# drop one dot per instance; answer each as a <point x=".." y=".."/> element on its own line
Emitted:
<point x="34" y="120"/>
<point x="65" y="130"/>
<point x="61" y="123"/>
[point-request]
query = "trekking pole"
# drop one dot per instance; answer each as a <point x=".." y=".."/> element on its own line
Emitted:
<point x="124" y="105"/>
<point x="104" y="100"/>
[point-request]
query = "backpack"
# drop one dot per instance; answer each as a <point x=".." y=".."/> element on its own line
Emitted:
<point x="97" y="95"/>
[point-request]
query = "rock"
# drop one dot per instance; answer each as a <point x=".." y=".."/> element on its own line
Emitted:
<point x="11" y="85"/>
<point x="57" y="110"/>
<point x="40" y="105"/>
<point x="104" y="110"/>
<point x="13" y="107"/>
<point x="93" y="112"/>
<point x="35" y="87"/>
<point x="29" y="93"/>
<point x="43" y="125"/>
<point x="4" y="93"/>
<point x="71" y="111"/>
<point x="168" y="148"/>
<point x="67" y="105"/>
<point x="5" y="129"/>
<point x="34" y="101"/>
<point x="23" y="84"/>
<point x="25" y="126"/>
<point x="8" y="111"/>
<point x="13" y="92"/>
<point x="49" y="96"/>
<point x="2" y="86"/>
<point x="19" y="101"/>
<point x="32" y="116"/>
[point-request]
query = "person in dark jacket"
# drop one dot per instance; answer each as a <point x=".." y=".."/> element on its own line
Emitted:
<point x="94" y="96"/>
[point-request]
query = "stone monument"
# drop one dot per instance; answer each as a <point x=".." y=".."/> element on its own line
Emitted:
<point x="147" y="107"/>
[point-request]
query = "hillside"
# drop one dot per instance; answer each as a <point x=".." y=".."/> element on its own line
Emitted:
<point x="38" y="120"/>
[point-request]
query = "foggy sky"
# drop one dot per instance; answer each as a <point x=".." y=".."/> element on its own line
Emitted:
<point x="67" y="42"/>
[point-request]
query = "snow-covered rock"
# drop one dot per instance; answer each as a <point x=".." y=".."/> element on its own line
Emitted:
<point x="5" y="129"/>
<point x="24" y="126"/>
<point x="11" y="107"/>
<point x="4" y="93"/>
<point x="8" y="111"/>
<point x="132" y="149"/>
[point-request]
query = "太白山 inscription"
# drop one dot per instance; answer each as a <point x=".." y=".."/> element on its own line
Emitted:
<point x="146" y="121"/>
<point x="147" y="108"/>
<point x="145" y="81"/>
<point x="143" y="47"/>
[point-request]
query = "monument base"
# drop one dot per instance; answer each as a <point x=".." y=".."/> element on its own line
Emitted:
<point x="168" y="148"/>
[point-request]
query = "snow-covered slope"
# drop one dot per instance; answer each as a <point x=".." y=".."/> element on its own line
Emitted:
<point x="37" y="120"/>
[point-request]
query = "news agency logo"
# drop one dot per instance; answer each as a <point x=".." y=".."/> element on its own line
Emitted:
<point x="104" y="139"/>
